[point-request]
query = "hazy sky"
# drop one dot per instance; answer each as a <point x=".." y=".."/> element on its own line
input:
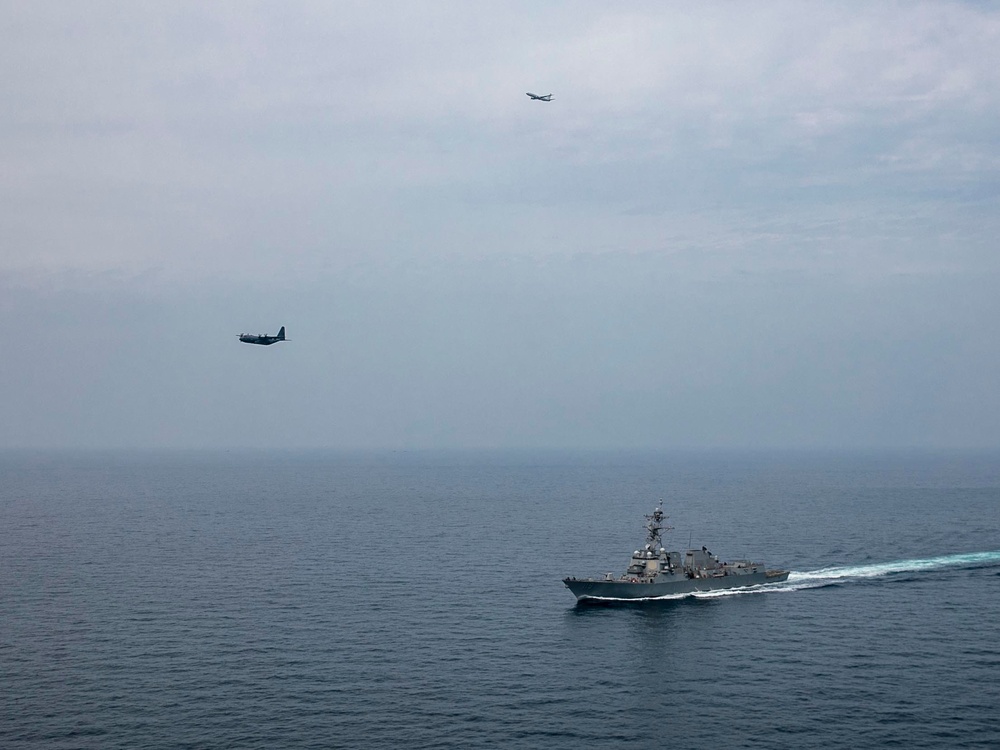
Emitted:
<point x="737" y="224"/>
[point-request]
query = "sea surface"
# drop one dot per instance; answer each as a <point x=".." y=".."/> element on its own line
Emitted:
<point x="414" y="600"/>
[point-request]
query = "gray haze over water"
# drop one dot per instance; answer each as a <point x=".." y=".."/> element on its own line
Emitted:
<point x="734" y="226"/>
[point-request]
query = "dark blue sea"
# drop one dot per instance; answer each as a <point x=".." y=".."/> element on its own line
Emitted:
<point x="413" y="600"/>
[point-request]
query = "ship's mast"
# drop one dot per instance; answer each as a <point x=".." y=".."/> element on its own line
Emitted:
<point x="654" y="528"/>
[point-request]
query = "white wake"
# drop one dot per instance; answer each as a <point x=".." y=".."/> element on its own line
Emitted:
<point x="825" y="576"/>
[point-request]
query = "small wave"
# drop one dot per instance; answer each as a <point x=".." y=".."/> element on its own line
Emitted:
<point x="632" y="600"/>
<point x="686" y="595"/>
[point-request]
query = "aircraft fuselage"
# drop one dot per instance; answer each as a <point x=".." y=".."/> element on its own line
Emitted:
<point x="263" y="340"/>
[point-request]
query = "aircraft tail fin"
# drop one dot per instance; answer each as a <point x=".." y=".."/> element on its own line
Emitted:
<point x="281" y="334"/>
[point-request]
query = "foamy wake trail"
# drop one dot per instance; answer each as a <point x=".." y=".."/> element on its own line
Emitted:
<point x="825" y="576"/>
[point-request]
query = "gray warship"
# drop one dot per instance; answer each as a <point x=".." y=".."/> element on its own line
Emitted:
<point x="655" y="573"/>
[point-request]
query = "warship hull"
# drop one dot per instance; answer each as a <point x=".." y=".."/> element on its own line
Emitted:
<point x="597" y="589"/>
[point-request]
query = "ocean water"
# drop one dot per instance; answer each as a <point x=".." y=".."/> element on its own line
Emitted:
<point x="413" y="600"/>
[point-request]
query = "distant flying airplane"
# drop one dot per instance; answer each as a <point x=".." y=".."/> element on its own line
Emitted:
<point x="536" y="97"/>
<point x="263" y="338"/>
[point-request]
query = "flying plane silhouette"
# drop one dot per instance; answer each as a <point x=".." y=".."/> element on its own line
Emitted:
<point x="262" y="338"/>
<point x="539" y="98"/>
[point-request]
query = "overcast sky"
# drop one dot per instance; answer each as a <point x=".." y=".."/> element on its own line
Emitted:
<point x="735" y="225"/>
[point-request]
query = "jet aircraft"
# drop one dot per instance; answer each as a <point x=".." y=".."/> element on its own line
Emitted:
<point x="536" y="97"/>
<point x="263" y="338"/>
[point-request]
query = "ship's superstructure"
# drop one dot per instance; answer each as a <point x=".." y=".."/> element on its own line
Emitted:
<point x="654" y="572"/>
